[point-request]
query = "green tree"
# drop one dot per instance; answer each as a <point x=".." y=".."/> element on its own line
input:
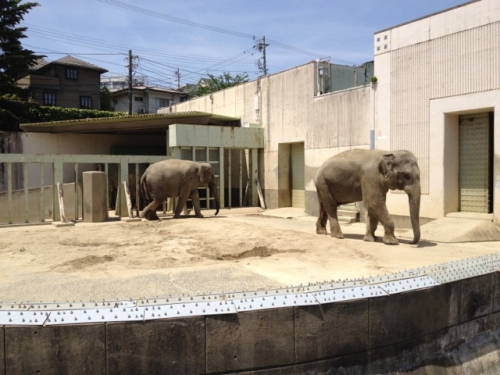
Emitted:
<point x="106" y="99"/>
<point x="212" y="84"/>
<point x="14" y="59"/>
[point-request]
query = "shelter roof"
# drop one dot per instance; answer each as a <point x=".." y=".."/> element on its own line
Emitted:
<point x="134" y="124"/>
<point x="151" y="89"/>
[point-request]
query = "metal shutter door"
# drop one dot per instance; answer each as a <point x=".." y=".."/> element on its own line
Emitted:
<point x="474" y="162"/>
<point x="297" y="152"/>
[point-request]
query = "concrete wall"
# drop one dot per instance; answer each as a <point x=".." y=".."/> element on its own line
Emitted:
<point x="40" y="207"/>
<point x="446" y="329"/>
<point x="429" y="71"/>
<point x="286" y="106"/>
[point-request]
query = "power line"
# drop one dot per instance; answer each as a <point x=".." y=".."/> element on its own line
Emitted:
<point x="100" y="44"/>
<point x="176" y="19"/>
<point x="206" y="27"/>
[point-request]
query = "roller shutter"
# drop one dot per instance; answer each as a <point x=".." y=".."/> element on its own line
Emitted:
<point x="297" y="158"/>
<point x="474" y="162"/>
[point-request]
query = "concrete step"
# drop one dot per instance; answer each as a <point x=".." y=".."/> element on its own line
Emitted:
<point x="347" y="219"/>
<point x="346" y="216"/>
<point x="458" y="229"/>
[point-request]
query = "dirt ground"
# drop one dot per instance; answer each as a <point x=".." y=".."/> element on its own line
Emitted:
<point x="238" y="250"/>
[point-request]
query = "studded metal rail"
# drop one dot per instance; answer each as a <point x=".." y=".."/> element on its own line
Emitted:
<point x="38" y="314"/>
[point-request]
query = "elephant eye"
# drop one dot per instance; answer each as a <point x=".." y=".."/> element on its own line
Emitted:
<point x="406" y="176"/>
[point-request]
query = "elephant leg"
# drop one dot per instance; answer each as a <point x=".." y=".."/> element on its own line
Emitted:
<point x="330" y="207"/>
<point x="195" y="199"/>
<point x="149" y="211"/>
<point x="386" y="220"/>
<point x="371" y="227"/>
<point x="335" y="226"/>
<point x="181" y="202"/>
<point x="322" y="219"/>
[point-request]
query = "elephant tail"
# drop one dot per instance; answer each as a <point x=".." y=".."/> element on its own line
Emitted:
<point x="146" y="196"/>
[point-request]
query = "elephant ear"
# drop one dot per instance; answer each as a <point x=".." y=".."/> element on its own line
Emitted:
<point x="386" y="164"/>
<point x="203" y="172"/>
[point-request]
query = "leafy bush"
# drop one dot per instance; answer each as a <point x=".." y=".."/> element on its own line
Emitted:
<point x="13" y="113"/>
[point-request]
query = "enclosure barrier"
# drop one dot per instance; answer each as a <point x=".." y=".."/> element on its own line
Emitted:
<point x="443" y="319"/>
<point x="36" y="169"/>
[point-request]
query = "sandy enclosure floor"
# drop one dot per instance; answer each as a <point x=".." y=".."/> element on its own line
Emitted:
<point x="189" y="256"/>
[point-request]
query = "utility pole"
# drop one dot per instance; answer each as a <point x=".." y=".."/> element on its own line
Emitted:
<point x="178" y="75"/>
<point x="261" y="45"/>
<point x="130" y="67"/>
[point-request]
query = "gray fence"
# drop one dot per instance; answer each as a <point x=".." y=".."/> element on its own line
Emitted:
<point x="28" y="192"/>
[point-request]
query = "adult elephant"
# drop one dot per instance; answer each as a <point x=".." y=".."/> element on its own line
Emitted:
<point x="366" y="175"/>
<point x="176" y="178"/>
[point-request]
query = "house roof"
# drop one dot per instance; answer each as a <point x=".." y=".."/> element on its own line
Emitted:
<point x="134" y="124"/>
<point x="144" y="88"/>
<point x="67" y="60"/>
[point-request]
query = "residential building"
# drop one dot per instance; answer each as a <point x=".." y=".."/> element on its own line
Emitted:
<point x="68" y="82"/>
<point x="147" y="99"/>
<point x="115" y="83"/>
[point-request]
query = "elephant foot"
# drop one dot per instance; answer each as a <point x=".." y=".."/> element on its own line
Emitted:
<point x="370" y="238"/>
<point x="390" y="240"/>
<point x="321" y="231"/>
<point x="199" y="216"/>
<point x="337" y="235"/>
<point x="149" y="215"/>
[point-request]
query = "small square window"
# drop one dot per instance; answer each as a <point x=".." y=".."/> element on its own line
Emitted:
<point x="378" y="48"/>
<point x="71" y="73"/>
<point x="378" y="39"/>
<point x="49" y="99"/>
<point x="138" y="98"/>
<point x="385" y="46"/>
<point x="86" y="102"/>
<point x="385" y="37"/>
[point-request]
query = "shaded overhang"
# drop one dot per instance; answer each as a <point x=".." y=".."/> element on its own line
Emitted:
<point x="134" y="124"/>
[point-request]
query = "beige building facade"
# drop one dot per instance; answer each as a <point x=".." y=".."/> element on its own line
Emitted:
<point x="438" y="95"/>
<point x="302" y="127"/>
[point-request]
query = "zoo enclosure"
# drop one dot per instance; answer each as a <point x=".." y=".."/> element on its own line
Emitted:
<point x="28" y="183"/>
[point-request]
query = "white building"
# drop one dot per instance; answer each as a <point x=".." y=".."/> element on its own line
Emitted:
<point x="438" y="95"/>
<point x="115" y="83"/>
<point x="146" y="99"/>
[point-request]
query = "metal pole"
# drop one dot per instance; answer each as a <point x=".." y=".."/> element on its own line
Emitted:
<point x="26" y="194"/>
<point x="130" y="82"/>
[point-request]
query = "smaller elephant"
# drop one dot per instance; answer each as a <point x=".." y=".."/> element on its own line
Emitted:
<point x="176" y="178"/>
<point x="367" y="175"/>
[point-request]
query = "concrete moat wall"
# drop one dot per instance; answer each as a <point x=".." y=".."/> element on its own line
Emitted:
<point x="449" y="328"/>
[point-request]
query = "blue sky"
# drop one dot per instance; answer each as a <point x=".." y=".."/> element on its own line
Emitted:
<point x="196" y="37"/>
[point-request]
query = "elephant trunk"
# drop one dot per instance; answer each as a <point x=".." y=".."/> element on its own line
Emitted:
<point x="216" y="196"/>
<point x="414" y="202"/>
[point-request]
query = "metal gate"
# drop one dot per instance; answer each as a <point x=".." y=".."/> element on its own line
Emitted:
<point x="475" y="163"/>
<point x="297" y="161"/>
<point x="209" y="155"/>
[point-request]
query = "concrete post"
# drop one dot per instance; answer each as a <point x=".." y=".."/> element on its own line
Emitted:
<point x="254" y="174"/>
<point x="94" y="197"/>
